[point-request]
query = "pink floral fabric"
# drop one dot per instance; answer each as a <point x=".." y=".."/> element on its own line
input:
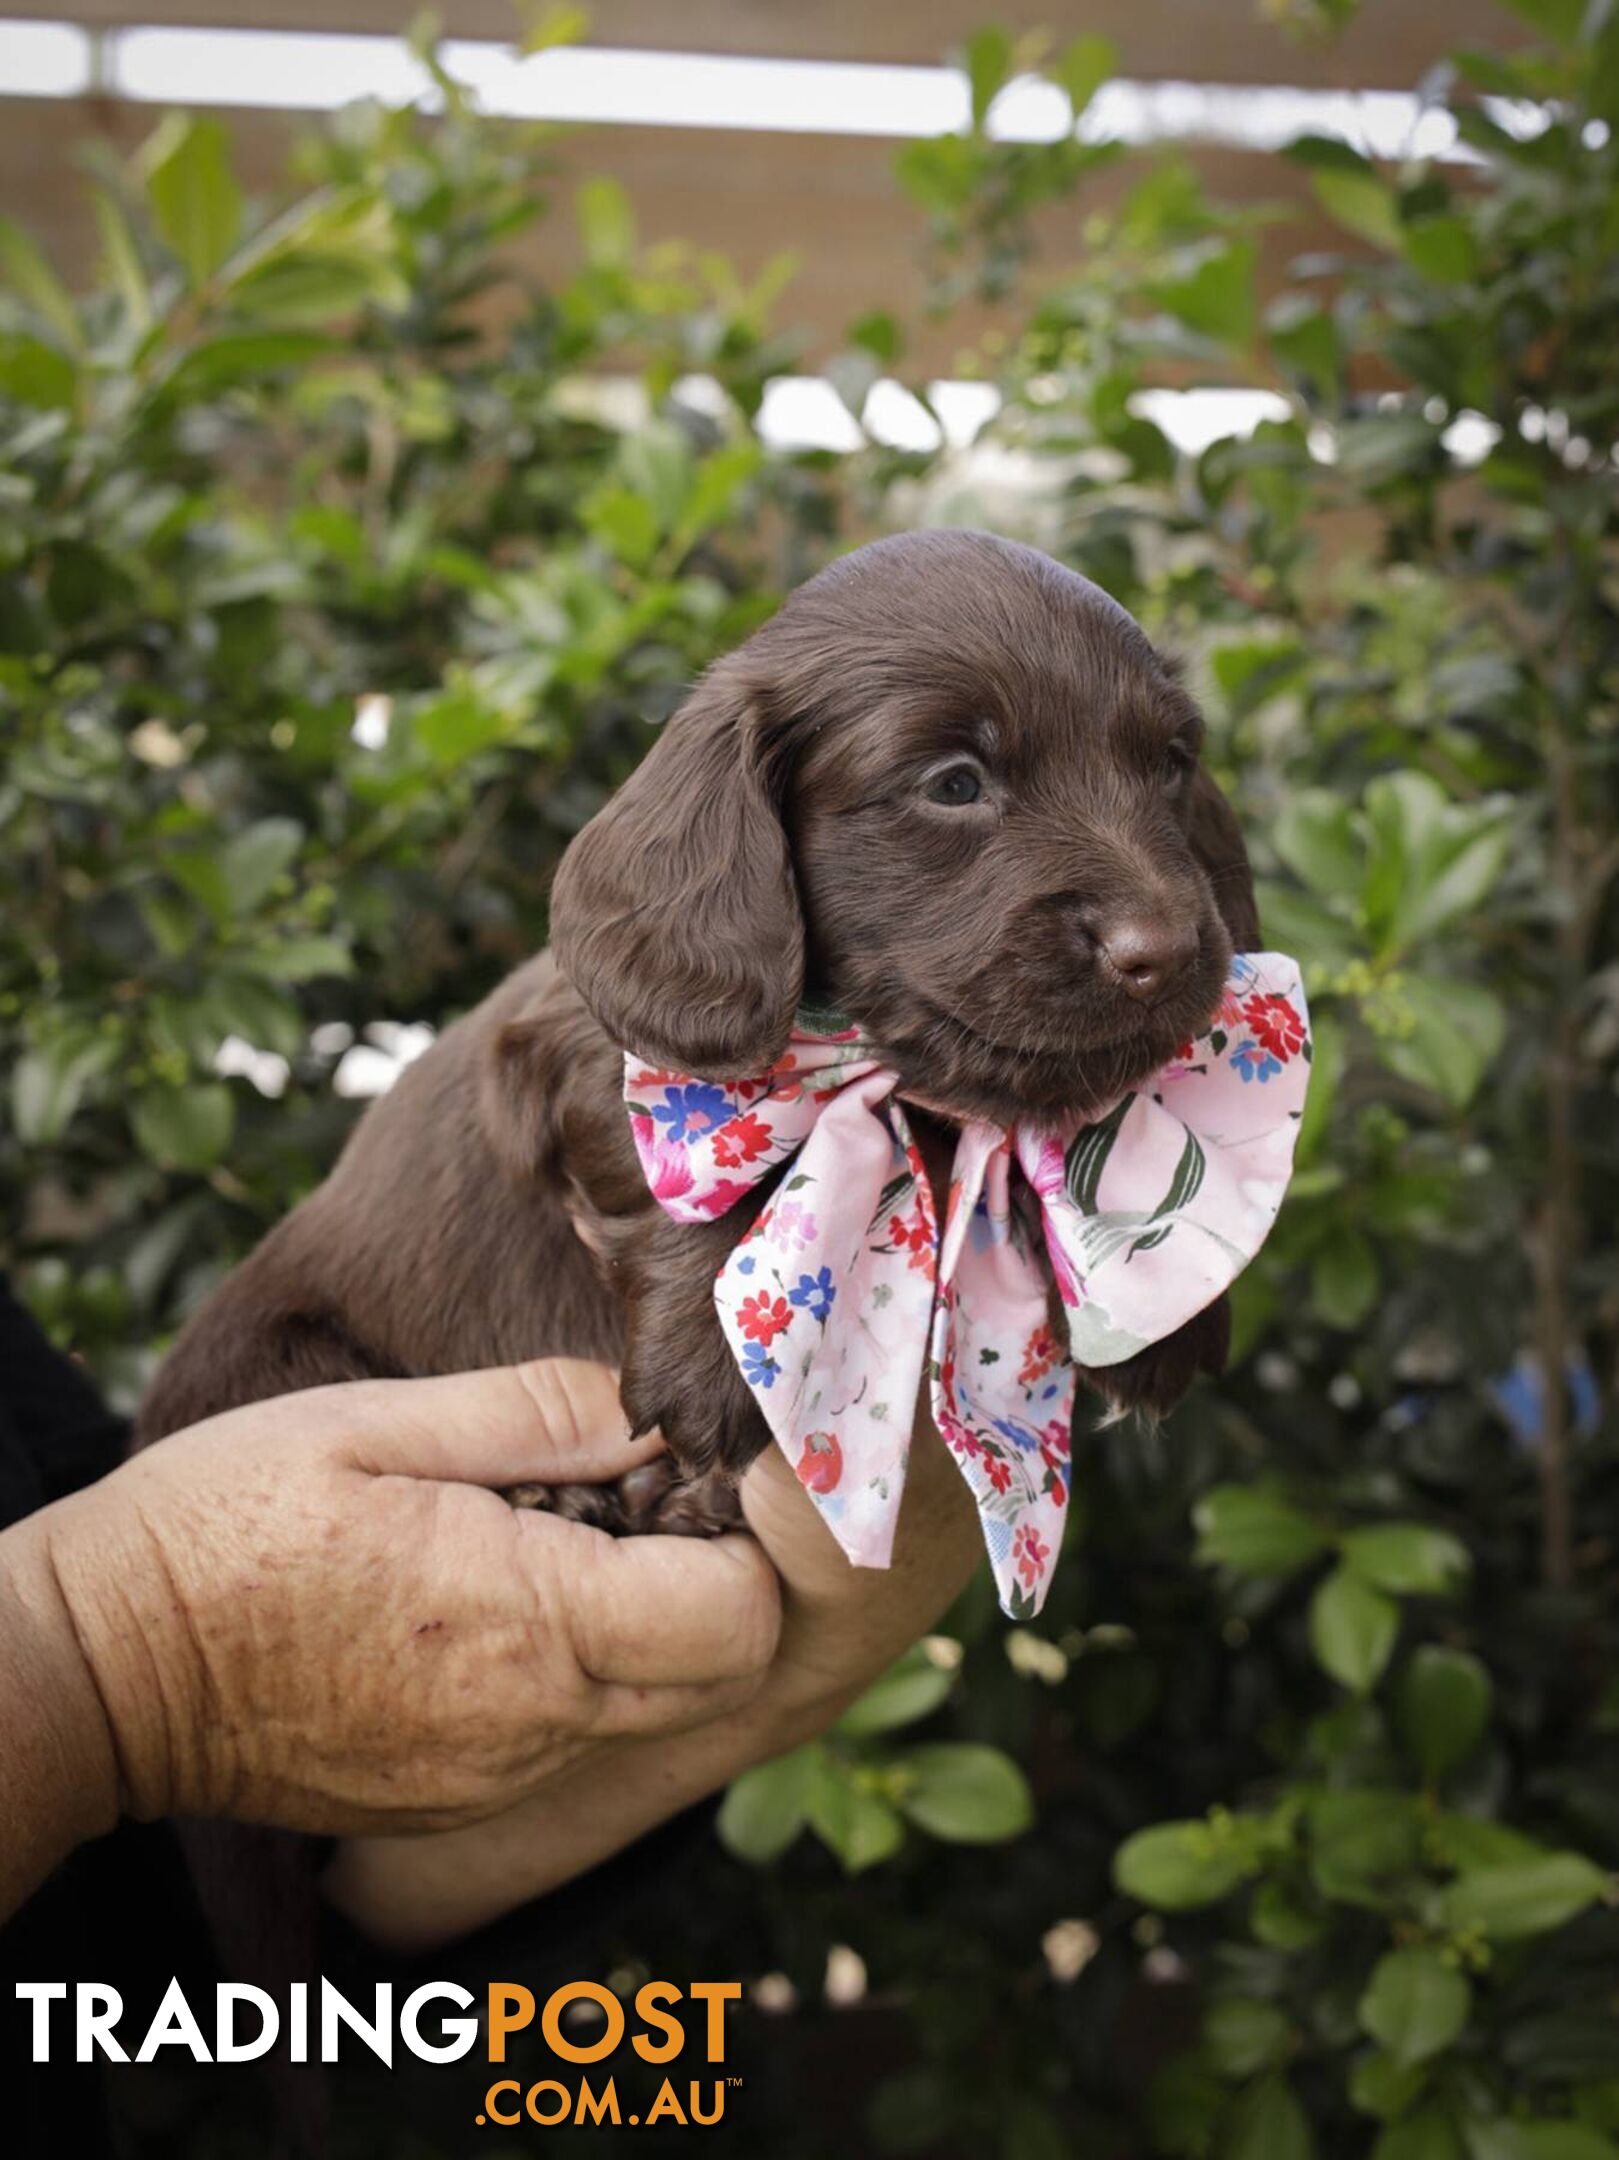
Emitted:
<point x="845" y="1288"/>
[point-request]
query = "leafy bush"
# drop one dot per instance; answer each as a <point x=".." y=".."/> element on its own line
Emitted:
<point x="1303" y="1792"/>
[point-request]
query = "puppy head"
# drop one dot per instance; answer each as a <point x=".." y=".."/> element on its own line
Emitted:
<point x="949" y="789"/>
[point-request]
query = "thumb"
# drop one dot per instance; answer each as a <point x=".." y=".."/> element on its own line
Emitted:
<point x="550" y="1420"/>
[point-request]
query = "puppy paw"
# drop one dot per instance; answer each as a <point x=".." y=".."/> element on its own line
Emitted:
<point x="1155" y="1379"/>
<point x="656" y="1498"/>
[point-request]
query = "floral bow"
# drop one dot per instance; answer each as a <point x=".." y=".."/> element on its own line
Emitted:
<point x="844" y="1284"/>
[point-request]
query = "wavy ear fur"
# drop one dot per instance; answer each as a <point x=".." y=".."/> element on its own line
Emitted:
<point x="1217" y="843"/>
<point x="675" y="913"/>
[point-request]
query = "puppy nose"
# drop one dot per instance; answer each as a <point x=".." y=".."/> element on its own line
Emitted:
<point x="1147" y="955"/>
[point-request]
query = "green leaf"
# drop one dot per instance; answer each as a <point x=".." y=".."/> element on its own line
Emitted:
<point x="34" y="373"/>
<point x="1251" y="671"/>
<point x="1470" y="1842"/>
<point x="1352" y="1629"/>
<point x="765" y="1808"/>
<point x="1442" y="248"/>
<point x="1364" y="1843"/>
<point x="196" y="202"/>
<point x="1331" y="1048"/>
<point x="1267" y="2123"/>
<point x="907" y="1692"/>
<point x="1415" y="2004"/>
<point x="547" y="26"/>
<point x="1428" y="2135"/>
<point x="1407" y="1558"/>
<point x="1362" y="204"/>
<point x="879" y="334"/>
<point x="987" y="59"/>
<point x="1216" y="299"/>
<point x="459" y="725"/>
<point x="36" y="284"/>
<point x="1506" y="2139"/>
<point x="1242" y="2035"/>
<point x="1281" y="1920"/>
<point x="313" y="291"/>
<point x="1456" y="1030"/>
<point x="121" y="257"/>
<point x="854" y="1821"/>
<point x="1315" y="836"/>
<point x="1380" y="2086"/>
<point x="1442" y="1707"/>
<point x="1559" y="19"/>
<point x="300" y="959"/>
<point x="1430" y="860"/>
<point x="1379" y="447"/>
<point x="1177" y="1866"/>
<point x="1082" y="66"/>
<point x="968" y="1794"/>
<point x="253" y="859"/>
<point x="185" y="1128"/>
<point x="48" y="1084"/>
<point x="1252" y="1530"/>
<point x="1526" y="1897"/>
<point x="1344" y="1279"/>
<point x="606" y="223"/>
<point x="241" y="357"/>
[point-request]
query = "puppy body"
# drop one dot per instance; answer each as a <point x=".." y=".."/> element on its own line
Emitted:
<point x="420" y="1253"/>
<point x="950" y="789"/>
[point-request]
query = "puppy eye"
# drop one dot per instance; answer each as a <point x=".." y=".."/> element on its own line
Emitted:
<point x="960" y="785"/>
<point x="1176" y="767"/>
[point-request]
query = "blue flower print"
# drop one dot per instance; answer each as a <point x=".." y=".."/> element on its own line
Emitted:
<point x="692" y="1111"/>
<point x="1253" y="1062"/>
<point x="815" y="1291"/>
<point x="746" y="1264"/>
<point x="983" y="1230"/>
<point x="1020" y="1435"/>
<point x="759" y="1368"/>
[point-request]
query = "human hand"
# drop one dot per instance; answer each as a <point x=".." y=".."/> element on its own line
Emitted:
<point x="842" y="1627"/>
<point x="312" y="1612"/>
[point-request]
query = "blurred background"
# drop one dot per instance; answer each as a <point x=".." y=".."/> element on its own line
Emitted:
<point x="395" y="415"/>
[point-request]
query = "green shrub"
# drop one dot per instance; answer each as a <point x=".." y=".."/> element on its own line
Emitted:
<point x="1303" y="1794"/>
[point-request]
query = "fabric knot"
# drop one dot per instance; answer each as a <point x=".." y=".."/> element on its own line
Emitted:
<point x="846" y="1287"/>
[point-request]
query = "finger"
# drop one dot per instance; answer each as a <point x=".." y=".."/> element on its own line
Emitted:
<point x="660" y="1611"/>
<point x="622" y="1712"/>
<point x="551" y="1420"/>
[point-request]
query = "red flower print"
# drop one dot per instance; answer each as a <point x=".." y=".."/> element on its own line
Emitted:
<point x="821" y="1464"/>
<point x="1030" y="1554"/>
<point x="956" y="1435"/>
<point x="763" y="1317"/>
<point x="912" y="1237"/>
<point x="998" y="1472"/>
<point x="1277" y="1025"/>
<point x="744" y="1140"/>
<point x="1228" y="1014"/>
<point x="1039" y="1355"/>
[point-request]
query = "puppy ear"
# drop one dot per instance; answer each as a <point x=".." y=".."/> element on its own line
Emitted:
<point x="1217" y="843"/>
<point x="675" y="913"/>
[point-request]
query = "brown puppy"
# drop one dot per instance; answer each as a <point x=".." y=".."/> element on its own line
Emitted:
<point x="951" y="790"/>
